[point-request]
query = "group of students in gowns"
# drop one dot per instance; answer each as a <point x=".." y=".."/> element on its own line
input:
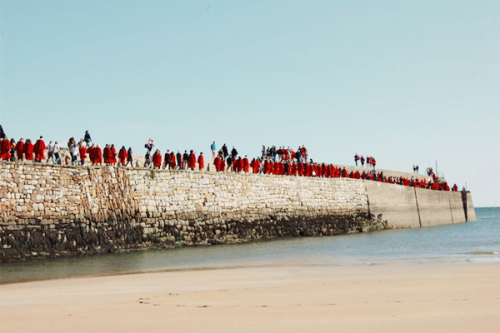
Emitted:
<point x="10" y="150"/>
<point x="172" y="161"/>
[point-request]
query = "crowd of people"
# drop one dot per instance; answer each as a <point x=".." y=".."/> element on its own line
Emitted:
<point x="282" y="161"/>
<point x="370" y="160"/>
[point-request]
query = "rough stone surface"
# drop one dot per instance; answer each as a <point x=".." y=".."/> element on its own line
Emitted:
<point x="51" y="211"/>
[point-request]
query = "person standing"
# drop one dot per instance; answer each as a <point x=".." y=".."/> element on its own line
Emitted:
<point x="106" y="154"/>
<point x="201" y="161"/>
<point x="213" y="147"/>
<point x="185" y="160"/>
<point x="356" y="159"/>
<point x="83" y="152"/>
<point x="87" y="138"/>
<point x="50" y="152"/>
<point x="57" y="153"/>
<point x="192" y="160"/>
<point x="112" y="156"/>
<point x="122" y="155"/>
<point x="179" y="160"/>
<point x="20" y="149"/>
<point x="5" y="149"/>
<point x="157" y="159"/>
<point x="172" y="160"/>
<point x="147" y="160"/>
<point x="73" y="149"/>
<point x="39" y="149"/>
<point x="130" y="158"/>
<point x="166" y="160"/>
<point x="225" y="151"/>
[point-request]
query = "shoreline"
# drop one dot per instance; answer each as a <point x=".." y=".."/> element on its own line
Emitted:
<point x="412" y="297"/>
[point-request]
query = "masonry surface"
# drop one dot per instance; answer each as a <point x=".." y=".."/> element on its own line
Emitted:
<point x="52" y="211"/>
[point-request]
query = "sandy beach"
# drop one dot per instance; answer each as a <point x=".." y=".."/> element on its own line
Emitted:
<point x="461" y="297"/>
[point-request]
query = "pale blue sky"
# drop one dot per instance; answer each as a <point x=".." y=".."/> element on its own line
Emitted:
<point x="409" y="82"/>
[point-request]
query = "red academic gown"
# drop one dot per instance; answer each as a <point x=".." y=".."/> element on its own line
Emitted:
<point x="246" y="166"/>
<point x="257" y="166"/>
<point x="112" y="155"/>
<point x="20" y="150"/>
<point x="97" y="155"/>
<point x="83" y="152"/>
<point x="28" y="151"/>
<point x="107" y="155"/>
<point x="5" y="151"/>
<point x="172" y="160"/>
<point x="39" y="150"/>
<point x="192" y="161"/>
<point x="157" y="160"/>
<point x="122" y="155"/>
<point x="201" y="162"/>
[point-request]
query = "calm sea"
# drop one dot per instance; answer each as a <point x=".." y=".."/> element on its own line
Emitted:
<point x="474" y="241"/>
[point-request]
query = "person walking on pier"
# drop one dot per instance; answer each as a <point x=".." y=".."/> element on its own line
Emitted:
<point x="5" y="149"/>
<point x="213" y="147"/>
<point x="20" y="149"/>
<point x="39" y="149"/>
<point x="192" y="160"/>
<point x="87" y="139"/>
<point x="166" y="160"/>
<point x="122" y="155"/>
<point x="130" y="157"/>
<point x="50" y="152"/>
<point x="201" y="162"/>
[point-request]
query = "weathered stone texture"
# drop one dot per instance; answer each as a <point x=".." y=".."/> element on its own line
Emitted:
<point x="50" y="210"/>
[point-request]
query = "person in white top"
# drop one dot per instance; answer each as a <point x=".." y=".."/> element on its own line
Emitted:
<point x="50" y="152"/>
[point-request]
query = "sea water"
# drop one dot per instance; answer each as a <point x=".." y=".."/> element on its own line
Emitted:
<point x="462" y="242"/>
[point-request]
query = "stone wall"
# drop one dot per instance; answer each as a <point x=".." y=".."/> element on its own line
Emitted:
<point x="50" y="211"/>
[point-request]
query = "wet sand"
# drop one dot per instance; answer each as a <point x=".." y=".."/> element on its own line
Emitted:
<point x="462" y="297"/>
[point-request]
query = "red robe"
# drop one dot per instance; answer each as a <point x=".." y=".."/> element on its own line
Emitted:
<point x="217" y="163"/>
<point x="39" y="150"/>
<point x="192" y="161"/>
<point x="246" y="166"/>
<point x="122" y="155"/>
<point x="157" y="160"/>
<point x="201" y="162"/>
<point x="83" y="152"/>
<point x="172" y="160"/>
<point x="5" y="150"/>
<point x="344" y="173"/>
<point x="20" y="150"/>
<point x="28" y="151"/>
<point x="107" y="155"/>
<point x="112" y="155"/>
<point x="97" y="155"/>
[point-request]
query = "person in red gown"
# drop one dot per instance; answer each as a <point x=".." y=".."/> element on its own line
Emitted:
<point x="112" y="155"/>
<point x="39" y="149"/>
<point x="122" y="155"/>
<point x="192" y="160"/>
<point x="83" y="153"/>
<point x="217" y="163"/>
<point x="97" y="155"/>
<point x="246" y="165"/>
<point x="343" y="173"/>
<point x="5" y="149"/>
<point x="157" y="159"/>
<point x="201" y="162"/>
<point x="20" y="149"/>
<point x="172" y="161"/>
